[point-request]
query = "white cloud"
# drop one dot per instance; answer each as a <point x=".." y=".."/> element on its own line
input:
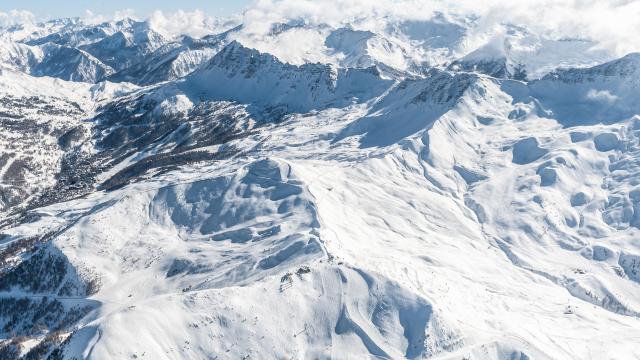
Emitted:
<point x="124" y="14"/>
<point x="193" y="23"/>
<point x="91" y="18"/>
<point x="15" y="17"/>
<point x="603" y="96"/>
<point x="612" y="24"/>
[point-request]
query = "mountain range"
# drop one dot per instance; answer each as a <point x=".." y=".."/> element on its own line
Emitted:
<point x="317" y="191"/>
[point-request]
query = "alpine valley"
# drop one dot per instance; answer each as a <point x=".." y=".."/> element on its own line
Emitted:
<point x="375" y="189"/>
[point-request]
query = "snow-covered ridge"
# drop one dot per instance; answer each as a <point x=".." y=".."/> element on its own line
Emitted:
<point x="245" y="75"/>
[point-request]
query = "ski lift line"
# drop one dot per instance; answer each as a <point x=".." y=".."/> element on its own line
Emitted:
<point x="285" y="287"/>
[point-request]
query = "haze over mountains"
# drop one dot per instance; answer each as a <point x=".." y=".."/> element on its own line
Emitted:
<point x="443" y="186"/>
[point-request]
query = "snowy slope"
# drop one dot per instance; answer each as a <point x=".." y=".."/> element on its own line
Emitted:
<point x="16" y="56"/>
<point x="53" y="60"/>
<point x="377" y="191"/>
<point x="70" y="64"/>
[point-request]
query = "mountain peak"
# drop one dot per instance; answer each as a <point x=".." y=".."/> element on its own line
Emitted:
<point x="247" y="75"/>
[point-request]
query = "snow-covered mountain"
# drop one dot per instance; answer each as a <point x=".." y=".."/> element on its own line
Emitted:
<point x="387" y="188"/>
<point x="172" y="61"/>
<point x="247" y="76"/>
<point x="520" y="54"/>
<point x="362" y="49"/>
<point x="127" y="46"/>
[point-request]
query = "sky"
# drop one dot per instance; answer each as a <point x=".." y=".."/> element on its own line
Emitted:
<point x="43" y="9"/>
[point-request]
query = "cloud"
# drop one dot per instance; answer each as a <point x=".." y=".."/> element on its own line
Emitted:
<point x="15" y="17"/>
<point x="193" y="23"/>
<point x="611" y="24"/>
<point x="91" y="18"/>
<point x="603" y="96"/>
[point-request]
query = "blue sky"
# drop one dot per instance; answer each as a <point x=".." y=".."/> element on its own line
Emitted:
<point x="70" y="8"/>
